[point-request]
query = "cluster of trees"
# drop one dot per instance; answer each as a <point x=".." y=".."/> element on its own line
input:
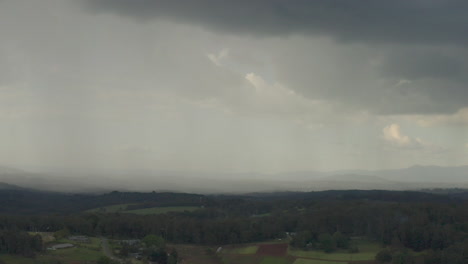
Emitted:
<point x="20" y="243"/>
<point x="324" y="241"/>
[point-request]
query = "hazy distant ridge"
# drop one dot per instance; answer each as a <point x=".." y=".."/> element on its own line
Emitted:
<point x="415" y="177"/>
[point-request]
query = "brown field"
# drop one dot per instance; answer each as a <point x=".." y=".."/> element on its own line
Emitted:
<point x="278" y="250"/>
<point x="190" y="254"/>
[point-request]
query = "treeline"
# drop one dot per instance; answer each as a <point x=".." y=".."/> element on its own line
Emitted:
<point x="23" y="201"/>
<point x="38" y="202"/>
<point x="323" y="220"/>
<point x="20" y="243"/>
<point x="417" y="226"/>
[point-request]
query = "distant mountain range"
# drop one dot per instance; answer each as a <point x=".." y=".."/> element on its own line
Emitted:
<point x="412" y="178"/>
<point x="6" y="186"/>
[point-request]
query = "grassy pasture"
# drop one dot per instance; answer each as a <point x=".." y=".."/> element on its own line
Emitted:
<point x="236" y="259"/>
<point x="40" y="259"/>
<point x="70" y="255"/>
<point x="110" y="209"/>
<point x="313" y="261"/>
<point x="122" y="208"/>
<point x="9" y="259"/>
<point x="276" y="260"/>
<point x="246" y="250"/>
<point x="77" y="254"/>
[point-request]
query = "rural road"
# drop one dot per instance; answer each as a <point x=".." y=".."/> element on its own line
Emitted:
<point x="107" y="251"/>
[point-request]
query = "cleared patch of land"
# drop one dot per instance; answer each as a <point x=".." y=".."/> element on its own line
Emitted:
<point x="162" y="210"/>
<point x="190" y="254"/>
<point x="93" y="244"/>
<point x="273" y="249"/>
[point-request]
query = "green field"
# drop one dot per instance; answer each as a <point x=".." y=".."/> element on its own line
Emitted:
<point x="367" y="251"/>
<point x="82" y="252"/>
<point x="40" y="259"/>
<point x="122" y="208"/>
<point x="236" y="259"/>
<point x="77" y="254"/>
<point x="9" y="259"/>
<point x="275" y="260"/>
<point x="243" y="250"/>
<point x="70" y="255"/>
<point x="313" y="261"/>
<point x="111" y="208"/>
<point x="161" y="210"/>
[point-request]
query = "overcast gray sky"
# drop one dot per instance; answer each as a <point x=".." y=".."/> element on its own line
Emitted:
<point x="233" y="86"/>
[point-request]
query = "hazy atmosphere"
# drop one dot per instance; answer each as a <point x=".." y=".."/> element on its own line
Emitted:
<point x="215" y="89"/>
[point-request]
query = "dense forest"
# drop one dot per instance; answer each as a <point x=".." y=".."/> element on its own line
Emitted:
<point x="434" y="223"/>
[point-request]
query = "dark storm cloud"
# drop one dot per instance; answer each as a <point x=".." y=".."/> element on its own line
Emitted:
<point x="418" y="48"/>
<point x="404" y="21"/>
<point x="422" y="46"/>
<point x="417" y="65"/>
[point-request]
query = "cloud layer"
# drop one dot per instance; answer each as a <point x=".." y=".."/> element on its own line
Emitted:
<point x="264" y="86"/>
<point x="376" y="45"/>
<point x="396" y="21"/>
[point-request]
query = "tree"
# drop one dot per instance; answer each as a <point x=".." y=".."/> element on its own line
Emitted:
<point x="159" y="256"/>
<point x="154" y="241"/>
<point x="341" y="240"/>
<point x="326" y="242"/>
<point x="402" y="257"/>
<point x="301" y="239"/>
<point x="173" y="257"/>
<point x="62" y="233"/>
<point x="384" y="256"/>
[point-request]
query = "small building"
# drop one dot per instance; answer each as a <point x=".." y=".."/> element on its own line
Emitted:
<point x="61" y="246"/>
<point x="130" y="242"/>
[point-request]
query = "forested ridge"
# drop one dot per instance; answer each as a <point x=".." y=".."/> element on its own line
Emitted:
<point x="434" y="223"/>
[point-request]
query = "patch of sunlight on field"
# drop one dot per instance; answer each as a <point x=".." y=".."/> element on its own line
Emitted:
<point x="313" y="261"/>
<point x="161" y="210"/>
